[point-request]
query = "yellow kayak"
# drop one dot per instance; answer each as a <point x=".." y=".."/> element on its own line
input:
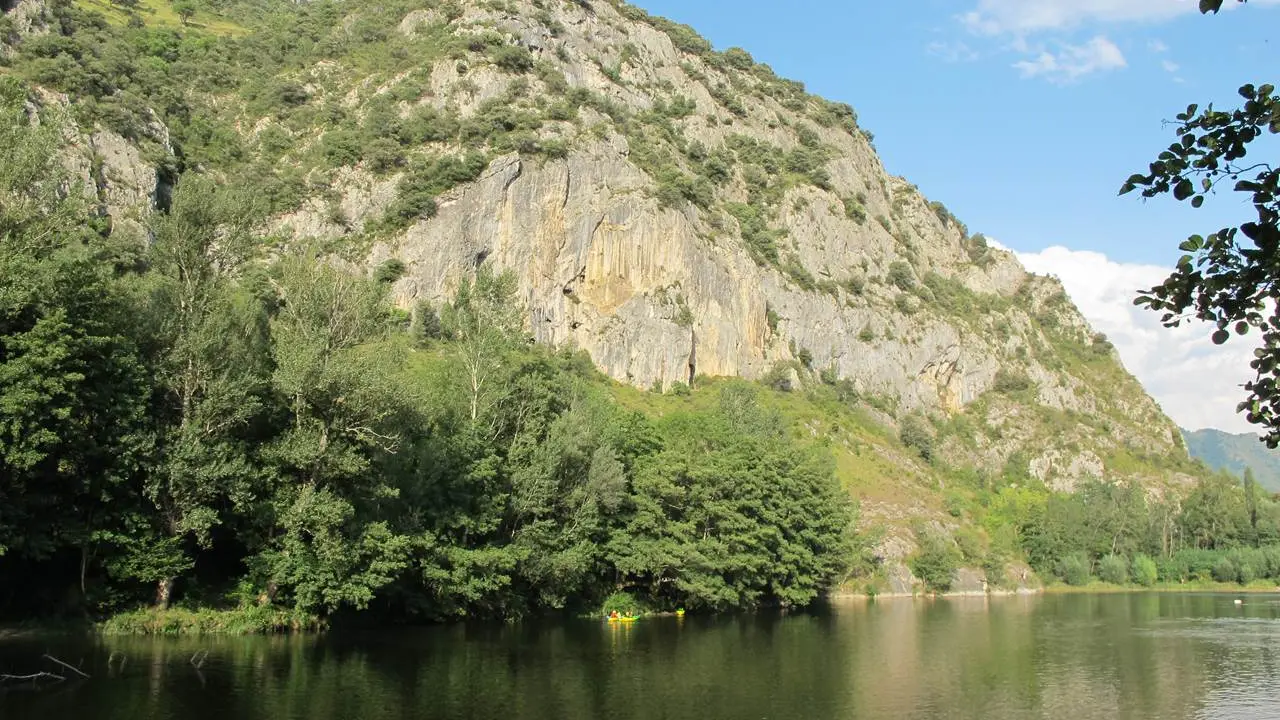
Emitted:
<point x="623" y="619"/>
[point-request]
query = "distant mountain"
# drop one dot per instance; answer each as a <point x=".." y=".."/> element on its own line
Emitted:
<point x="1233" y="453"/>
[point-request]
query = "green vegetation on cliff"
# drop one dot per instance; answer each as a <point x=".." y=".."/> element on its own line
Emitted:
<point x="199" y="409"/>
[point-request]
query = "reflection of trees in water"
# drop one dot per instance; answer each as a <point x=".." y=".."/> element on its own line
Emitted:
<point x="1076" y="657"/>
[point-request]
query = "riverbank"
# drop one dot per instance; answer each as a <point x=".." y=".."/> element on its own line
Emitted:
<point x="1093" y="588"/>
<point x="256" y="620"/>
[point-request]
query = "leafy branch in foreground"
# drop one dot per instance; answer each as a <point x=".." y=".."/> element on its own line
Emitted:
<point x="1231" y="277"/>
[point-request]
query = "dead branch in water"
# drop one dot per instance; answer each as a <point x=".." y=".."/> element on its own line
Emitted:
<point x="33" y="677"/>
<point x="72" y="668"/>
<point x="199" y="663"/>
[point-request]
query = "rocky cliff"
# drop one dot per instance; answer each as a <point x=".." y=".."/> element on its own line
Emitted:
<point x="675" y="211"/>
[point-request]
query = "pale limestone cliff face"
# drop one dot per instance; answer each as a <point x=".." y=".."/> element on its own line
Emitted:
<point x="658" y="295"/>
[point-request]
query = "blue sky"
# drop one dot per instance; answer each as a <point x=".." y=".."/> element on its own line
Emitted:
<point x="1034" y="160"/>
<point x="1024" y="117"/>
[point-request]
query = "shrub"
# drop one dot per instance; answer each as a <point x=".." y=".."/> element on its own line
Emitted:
<point x="389" y="271"/>
<point x="854" y="210"/>
<point x="1246" y="573"/>
<point x="512" y="58"/>
<point x="900" y="274"/>
<point x="623" y="602"/>
<point x="915" y="434"/>
<point x="1144" y="571"/>
<point x="1011" y="381"/>
<point x="806" y="358"/>
<point x="1225" y="571"/>
<point x="855" y="284"/>
<point x="1074" y="569"/>
<point x="994" y="568"/>
<point x="936" y="563"/>
<point x="1114" y="569"/>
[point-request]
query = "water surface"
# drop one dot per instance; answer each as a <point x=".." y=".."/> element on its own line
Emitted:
<point x="1075" y="657"/>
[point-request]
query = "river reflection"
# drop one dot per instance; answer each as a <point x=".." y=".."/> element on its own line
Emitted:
<point x="1075" y="657"/>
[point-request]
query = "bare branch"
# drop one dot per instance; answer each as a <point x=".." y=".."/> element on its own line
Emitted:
<point x="72" y="668"/>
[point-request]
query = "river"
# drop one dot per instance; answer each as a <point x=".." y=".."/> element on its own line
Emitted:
<point x="1141" y="655"/>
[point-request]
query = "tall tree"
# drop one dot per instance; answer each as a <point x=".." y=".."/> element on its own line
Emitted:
<point x="325" y="542"/>
<point x="484" y="320"/>
<point x="212" y="366"/>
<point x="73" y="388"/>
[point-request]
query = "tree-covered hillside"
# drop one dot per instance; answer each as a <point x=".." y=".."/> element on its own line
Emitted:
<point x="1236" y="453"/>
<point x="230" y="377"/>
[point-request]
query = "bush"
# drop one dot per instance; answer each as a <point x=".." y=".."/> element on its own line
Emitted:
<point x="1144" y="571"/>
<point x="248" y="620"/>
<point x="915" y="434"/>
<point x="900" y="274"/>
<point x="389" y="271"/>
<point x="994" y="568"/>
<point x="936" y="563"/>
<point x="512" y="59"/>
<point x="1011" y="381"/>
<point x="1246" y="573"/>
<point x="623" y="602"/>
<point x="1074" y="569"/>
<point x="1114" y="569"/>
<point x="1224" y="570"/>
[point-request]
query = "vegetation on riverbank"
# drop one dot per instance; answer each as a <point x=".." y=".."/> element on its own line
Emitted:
<point x="255" y="620"/>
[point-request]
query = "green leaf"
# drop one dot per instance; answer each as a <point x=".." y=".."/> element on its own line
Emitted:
<point x="1197" y="201"/>
<point x="1183" y="189"/>
<point x="1221" y="337"/>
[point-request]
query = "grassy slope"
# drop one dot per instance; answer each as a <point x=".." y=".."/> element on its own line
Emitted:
<point x="159" y="13"/>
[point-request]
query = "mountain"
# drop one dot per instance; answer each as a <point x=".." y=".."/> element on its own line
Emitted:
<point x="1234" y="453"/>
<point x="679" y="213"/>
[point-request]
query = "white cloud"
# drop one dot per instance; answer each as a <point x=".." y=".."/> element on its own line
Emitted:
<point x="1197" y="383"/>
<point x="1170" y="66"/>
<point x="994" y="17"/>
<point x="1023" y="26"/>
<point x="1072" y="62"/>
<point x="953" y="51"/>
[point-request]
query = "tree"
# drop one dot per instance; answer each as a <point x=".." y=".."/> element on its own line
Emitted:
<point x="211" y="364"/>
<point x="484" y="320"/>
<point x="1228" y="277"/>
<point x="73" y="386"/>
<point x="325" y="542"/>
<point x="186" y="9"/>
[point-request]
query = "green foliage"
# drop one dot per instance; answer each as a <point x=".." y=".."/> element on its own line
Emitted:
<point x="901" y="275"/>
<point x="1144" y="571"/>
<point x="914" y="432"/>
<point x="417" y="191"/>
<point x="1011" y="382"/>
<point x="936" y="562"/>
<point x="623" y="603"/>
<point x="1114" y="569"/>
<point x="1226" y="277"/>
<point x="1074" y="569"/>
<point x="252" y="620"/>
<point x="389" y="271"/>
<point x="512" y="58"/>
<point x="854" y="210"/>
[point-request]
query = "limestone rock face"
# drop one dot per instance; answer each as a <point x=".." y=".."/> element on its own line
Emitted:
<point x="864" y="282"/>
<point x="872" y="283"/>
